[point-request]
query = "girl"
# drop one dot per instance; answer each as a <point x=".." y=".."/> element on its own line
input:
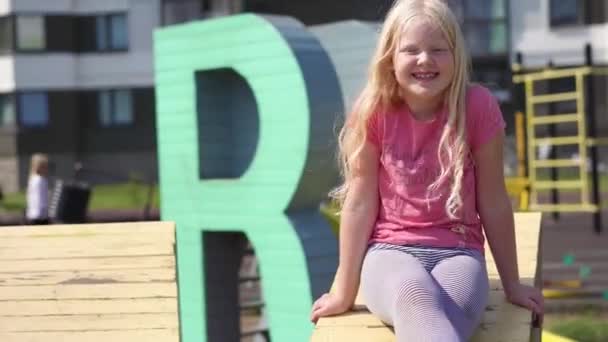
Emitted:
<point x="38" y="190"/>
<point x="422" y="164"/>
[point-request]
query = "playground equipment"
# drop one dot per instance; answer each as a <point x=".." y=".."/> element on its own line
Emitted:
<point x="582" y="119"/>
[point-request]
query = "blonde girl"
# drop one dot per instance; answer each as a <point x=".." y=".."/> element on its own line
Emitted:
<point x="421" y="157"/>
<point x="38" y="190"/>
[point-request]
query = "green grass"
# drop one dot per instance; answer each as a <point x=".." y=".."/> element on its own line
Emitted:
<point x="589" y="326"/>
<point x="103" y="197"/>
<point x="122" y="196"/>
<point x="13" y="202"/>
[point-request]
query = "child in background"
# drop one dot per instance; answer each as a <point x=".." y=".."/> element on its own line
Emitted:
<point x="38" y="190"/>
<point x="422" y="162"/>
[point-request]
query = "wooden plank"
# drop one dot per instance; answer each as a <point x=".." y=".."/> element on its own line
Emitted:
<point x="86" y="264"/>
<point x="88" y="277"/>
<point x="148" y="335"/>
<point x="69" y="240"/>
<point x="353" y="334"/>
<point x="89" y="322"/>
<point x="88" y="283"/>
<point x="161" y="228"/>
<point x="89" y="249"/>
<point x="352" y="319"/>
<point x="87" y="306"/>
<point x="89" y="291"/>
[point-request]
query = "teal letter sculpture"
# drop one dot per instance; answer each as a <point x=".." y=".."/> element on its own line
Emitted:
<point x="246" y="109"/>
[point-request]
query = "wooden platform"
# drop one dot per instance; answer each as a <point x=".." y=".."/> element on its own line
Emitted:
<point x="103" y="282"/>
<point x="502" y="322"/>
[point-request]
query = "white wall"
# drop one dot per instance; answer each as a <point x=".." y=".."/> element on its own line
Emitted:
<point x="45" y="6"/>
<point x="132" y="69"/>
<point x="72" y="6"/>
<point x="5" y="7"/>
<point x="96" y="6"/>
<point x="532" y="35"/>
<point x="7" y="74"/>
<point x="40" y="72"/>
<point x="95" y="70"/>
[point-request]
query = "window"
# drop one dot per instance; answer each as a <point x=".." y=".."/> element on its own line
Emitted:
<point x="567" y="12"/>
<point x="486" y="38"/>
<point x="484" y="25"/>
<point x="30" y="33"/>
<point x="115" y="107"/>
<point x="180" y="11"/>
<point x="103" y="33"/>
<point x="486" y="10"/>
<point x="33" y="109"/>
<point x="577" y="12"/>
<point x="119" y="37"/>
<point x="7" y="110"/>
<point x="111" y="32"/>
<point x="6" y="35"/>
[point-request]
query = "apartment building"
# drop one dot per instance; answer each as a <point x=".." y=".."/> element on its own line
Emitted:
<point x="76" y="76"/>
<point x="556" y="31"/>
<point x="76" y="82"/>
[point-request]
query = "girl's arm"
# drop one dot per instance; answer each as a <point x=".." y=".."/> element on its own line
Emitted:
<point x="494" y="207"/>
<point x="495" y="210"/>
<point x="358" y="216"/>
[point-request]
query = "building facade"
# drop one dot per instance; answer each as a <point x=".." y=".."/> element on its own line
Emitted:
<point x="76" y="76"/>
<point x="556" y="31"/>
<point x="76" y="82"/>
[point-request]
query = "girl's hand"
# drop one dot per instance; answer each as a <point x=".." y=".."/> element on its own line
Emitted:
<point x="528" y="297"/>
<point x="329" y="304"/>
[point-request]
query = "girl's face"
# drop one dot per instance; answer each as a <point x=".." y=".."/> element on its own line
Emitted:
<point x="423" y="61"/>
<point x="43" y="169"/>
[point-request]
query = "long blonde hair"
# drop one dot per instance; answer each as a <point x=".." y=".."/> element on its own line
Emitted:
<point x="382" y="92"/>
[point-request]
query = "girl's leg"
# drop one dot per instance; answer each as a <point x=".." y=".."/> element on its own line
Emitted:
<point x="464" y="287"/>
<point x="399" y="290"/>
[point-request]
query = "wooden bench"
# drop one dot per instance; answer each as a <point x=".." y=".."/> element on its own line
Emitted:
<point x="502" y="321"/>
<point x="98" y="282"/>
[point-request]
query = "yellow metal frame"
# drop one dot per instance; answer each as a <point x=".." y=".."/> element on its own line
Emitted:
<point x="581" y="139"/>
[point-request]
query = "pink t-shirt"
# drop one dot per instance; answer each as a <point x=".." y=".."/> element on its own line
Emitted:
<point x="408" y="213"/>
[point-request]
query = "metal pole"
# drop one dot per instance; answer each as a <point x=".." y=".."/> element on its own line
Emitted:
<point x="553" y="153"/>
<point x="519" y="105"/>
<point x="591" y="122"/>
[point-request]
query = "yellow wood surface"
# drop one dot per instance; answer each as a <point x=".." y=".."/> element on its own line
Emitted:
<point x="502" y="321"/>
<point x="147" y="335"/>
<point x="139" y="275"/>
<point x="88" y="264"/>
<point x="84" y="322"/>
<point x="96" y="282"/>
